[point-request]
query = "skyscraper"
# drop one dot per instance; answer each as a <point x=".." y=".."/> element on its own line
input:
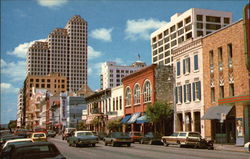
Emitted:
<point x="64" y="52"/>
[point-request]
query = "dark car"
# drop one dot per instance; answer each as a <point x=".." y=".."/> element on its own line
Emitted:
<point x="82" y="138"/>
<point x="51" y="133"/>
<point x="21" y="132"/>
<point x="135" y="136"/>
<point x="36" y="150"/>
<point x="151" y="138"/>
<point x="117" y="139"/>
<point x="7" y="137"/>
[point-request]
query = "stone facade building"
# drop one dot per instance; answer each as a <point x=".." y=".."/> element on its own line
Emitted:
<point x="227" y="90"/>
<point x="146" y="86"/>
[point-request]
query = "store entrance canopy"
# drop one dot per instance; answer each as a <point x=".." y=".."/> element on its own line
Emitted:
<point x="216" y="112"/>
<point x="134" y="117"/>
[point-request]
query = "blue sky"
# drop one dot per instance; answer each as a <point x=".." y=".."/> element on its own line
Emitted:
<point x="118" y="31"/>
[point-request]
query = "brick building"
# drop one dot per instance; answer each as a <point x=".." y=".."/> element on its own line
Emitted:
<point x="146" y="86"/>
<point x="226" y="85"/>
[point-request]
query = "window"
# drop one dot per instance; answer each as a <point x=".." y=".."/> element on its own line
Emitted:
<point x="187" y="28"/>
<point x="180" y="24"/>
<point x="199" y="17"/>
<point x="199" y="33"/>
<point x="31" y="80"/>
<point x="137" y="94"/>
<point x="172" y="29"/>
<point x="199" y="25"/>
<point x="37" y="80"/>
<point x="213" y="26"/>
<point x="113" y="104"/>
<point x="220" y="60"/>
<point x="173" y="43"/>
<point x="211" y="57"/>
<point x="186" y="66"/>
<point x="212" y="95"/>
<point x="196" y="65"/>
<point x="187" y="92"/>
<point x="231" y="89"/>
<point x="120" y="102"/>
<point x="226" y="20"/>
<point x="178" y="94"/>
<point x="213" y="19"/>
<point x="189" y="35"/>
<point x="187" y="20"/>
<point x="128" y="96"/>
<point x="178" y="70"/>
<point x="147" y="91"/>
<point x="196" y="91"/>
<point x="166" y="32"/>
<point x="221" y="91"/>
<point x="230" y="51"/>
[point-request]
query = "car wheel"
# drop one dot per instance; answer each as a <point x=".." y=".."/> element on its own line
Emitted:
<point x="93" y="145"/>
<point x="105" y="143"/>
<point x="128" y="144"/>
<point x="165" y="144"/>
<point x="113" y="144"/>
<point x="70" y="144"/>
<point x="75" y="144"/>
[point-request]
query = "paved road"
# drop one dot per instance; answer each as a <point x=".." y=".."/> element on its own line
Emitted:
<point x="138" y="151"/>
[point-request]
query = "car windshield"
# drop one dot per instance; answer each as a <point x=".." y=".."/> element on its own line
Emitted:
<point x="182" y="134"/>
<point x="85" y="134"/>
<point x="18" y="142"/>
<point x="120" y="134"/>
<point x="39" y="135"/>
<point x="174" y="134"/>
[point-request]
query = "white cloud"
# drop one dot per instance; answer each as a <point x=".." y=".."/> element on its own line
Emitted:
<point x="21" y="50"/>
<point x="141" y="28"/>
<point x="92" y="53"/>
<point x="8" y="88"/>
<point x="14" y="70"/>
<point x="3" y="63"/>
<point x="95" y="68"/>
<point x="51" y="3"/>
<point x="119" y="61"/>
<point x="102" y="34"/>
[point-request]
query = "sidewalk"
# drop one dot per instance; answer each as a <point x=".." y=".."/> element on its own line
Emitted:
<point x="225" y="147"/>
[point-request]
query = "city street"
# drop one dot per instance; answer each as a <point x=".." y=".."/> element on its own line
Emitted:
<point x="139" y="151"/>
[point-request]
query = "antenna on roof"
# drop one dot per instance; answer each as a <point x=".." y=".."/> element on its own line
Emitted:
<point x="139" y="57"/>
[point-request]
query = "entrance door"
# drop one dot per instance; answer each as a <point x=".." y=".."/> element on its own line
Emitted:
<point x="197" y="121"/>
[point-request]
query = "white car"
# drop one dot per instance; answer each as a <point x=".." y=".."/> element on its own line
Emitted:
<point x="247" y="146"/>
<point x="17" y="141"/>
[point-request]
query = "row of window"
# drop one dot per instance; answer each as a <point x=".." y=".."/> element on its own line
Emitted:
<point x="48" y="80"/>
<point x="137" y="94"/>
<point x="220" y="54"/>
<point x="47" y="85"/>
<point x="187" y="91"/>
<point x="186" y="65"/>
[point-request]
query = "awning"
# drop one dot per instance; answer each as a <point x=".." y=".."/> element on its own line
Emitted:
<point x="142" y="119"/>
<point x="216" y="111"/>
<point x="134" y="117"/>
<point x="125" y="119"/>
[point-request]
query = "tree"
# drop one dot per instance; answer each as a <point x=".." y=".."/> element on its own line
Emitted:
<point x="114" y="125"/>
<point x="159" y="113"/>
<point x="96" y="122"/>
<point x="12" y="124"/>
<point x="81" y="126"/>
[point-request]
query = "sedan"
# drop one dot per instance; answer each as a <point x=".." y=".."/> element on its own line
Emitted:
<point x="31" y="150"/>
<point x="82" y="138"/>
<point x="117" y="139"/>
<point x="151" y="138"/>
<point x="17" y="141"/>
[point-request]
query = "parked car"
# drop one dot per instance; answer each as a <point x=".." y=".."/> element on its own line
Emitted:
<point x="151" y="138"/>
<point x="247" y="146"/>
<point x="135" y="136"/>
<point x="39" y="137"/>
<point x="17" y="141"/>
<point x="117" y="139"/>
<point x="51" y="133"/>
<point x="42" y="130"/>
<point x="8" y="137"/>
<point x="182" y="138"/>
<point x="67" y="133"/>
<point x="21" y="132"/>
<point x="82" y="138"/>
<point x="35" y="150"/>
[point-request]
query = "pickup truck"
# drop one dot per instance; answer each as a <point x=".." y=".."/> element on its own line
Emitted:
<point x="82" y="138"/>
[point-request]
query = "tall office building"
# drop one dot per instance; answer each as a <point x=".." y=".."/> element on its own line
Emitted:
<point x="64" y="52"/>
<point x="192" y="23"/>
<point x="20" y="110"/>
<point x="112" y="74"/>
